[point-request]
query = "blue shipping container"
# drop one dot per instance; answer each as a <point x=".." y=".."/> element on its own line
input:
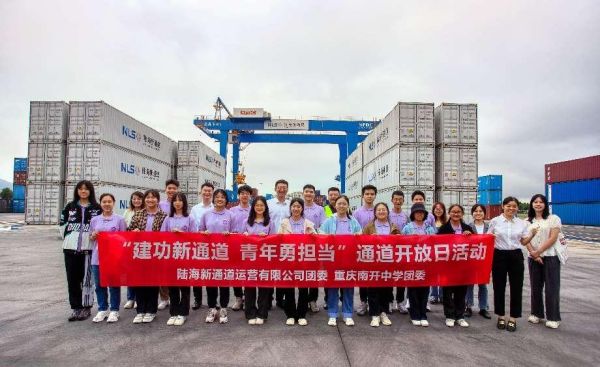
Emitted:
<point x="574" y="191"/>
<point x="490" y="182"/>
<point x="489" y="197"/>
<point x="583" y="214"/>
<point x="18" y="206"/>
<point x="20" y="165"/>
<point x="19" y="192"/>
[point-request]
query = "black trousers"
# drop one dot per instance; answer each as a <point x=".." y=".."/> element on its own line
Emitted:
<point x="545" y="275"/>
<point x="238" y="292"/>
<point x="279" y="296"/>
<point x="379" y="299"/>
<point x="399" y="294"/>
<point x="180" y="301"/>
<point x="313" y="294"/>
<point x="363" y="293"/>
<point x="250" y="302"/>
<point x="417" y="297"/>
<point x="197" y="294"/>
<point x="292" y="309"/>
<point x="508" y="262"/>
<point x="147" y="299"/>
<point x="454" y="301"/>
<point x="75" y="269"/>
<point x="213" y="292"/>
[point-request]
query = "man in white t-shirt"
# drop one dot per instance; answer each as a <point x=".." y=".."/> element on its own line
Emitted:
<point x="206" y="196"/>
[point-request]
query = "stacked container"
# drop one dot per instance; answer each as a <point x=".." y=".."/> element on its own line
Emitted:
<point x="48" y="123"/>
<point x="116" y="152"/>
<point x="456" y="155"/>
<point x="489" y="194"/>
<point x="197" y="164"/>
<point x="573" y="190"/>
<point x="19" y="182"/>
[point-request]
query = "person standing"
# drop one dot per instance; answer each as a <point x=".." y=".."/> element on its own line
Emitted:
<point x="136" y="203"/>
<point x="77" y="250"/>
<point x="511" y="235"/>
<point x="149" y="219"/>
<point x="379" y="297"/>
<point x="206" y="194"/>
<point x="332" y="194"/>
<point x="479" y="226"/>
<point x="217" y="220"/>
<point x="107" y="222"/>
<point x="544" y="265"/>
<point x="399" y="219"/>
<point x="364" y="215"/>
<point x="316" y="214"/>
<point x="417" y="296"/>
<point x="171" y="188"/>
<point x="418" y="197"/>
<point x="279" y="208"/>
<point x="341" y="223"/>
<point x="296" y="224"/>
<point x="239" y="214"/>
<point x="258" y="223"/>
<point x="439" y="213"/>
<point x="178" y="221"/>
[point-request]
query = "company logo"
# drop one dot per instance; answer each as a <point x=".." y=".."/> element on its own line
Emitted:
<point x="123" y="204"/>
<point x="130" y="133"/>
<point x="131" y="169"/>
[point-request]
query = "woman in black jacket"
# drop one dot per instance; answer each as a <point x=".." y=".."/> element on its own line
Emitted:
<point x="454" y="296"/>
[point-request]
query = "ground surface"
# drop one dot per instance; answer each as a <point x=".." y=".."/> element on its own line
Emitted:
<point x="34" y="330"/>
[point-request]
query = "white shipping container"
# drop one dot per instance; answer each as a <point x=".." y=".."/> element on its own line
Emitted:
<point x="48" y="121"/>
<point x="355" y="203"/>
<point x="212" y="161"/>
<point x="405" y="165"/>
<point x="456" y="124"/>
<point x="122" y="194"/>
<point x="196" y="153"/>
<point x="46" y="162"/>
<point x="354" y="162"/>
<point x="193" y="199"/>
<point x="188" y="153"/>
<point x="408" y="190"/>
<point x="466" y="198"/>
<point x="191" y="178"/>
<point x="98" y="121"/>
<point x="383" y="171"/>
<point x="456" y="166"/>
<point x="468" y="124"/>
<point x="44" y="203"/>
<point x="103" y="162"/>
<point x="354" y="184"/>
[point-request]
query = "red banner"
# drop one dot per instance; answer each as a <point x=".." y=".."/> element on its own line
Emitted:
<point x="161" y="258"/>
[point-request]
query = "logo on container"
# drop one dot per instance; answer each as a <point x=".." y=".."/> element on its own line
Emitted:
<point x="130" y="133"/>
<point x="123" y="204"/>
<point x="131" y="169"/>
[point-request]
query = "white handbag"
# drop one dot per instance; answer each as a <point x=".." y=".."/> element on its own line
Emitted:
<point x="561" y="248"/>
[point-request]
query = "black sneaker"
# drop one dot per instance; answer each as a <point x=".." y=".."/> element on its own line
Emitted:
<point x="196" y="305"/>
<point x="84" y="314"/>
<point x="485" y="314"/>
<point x="74" y="316"/>
<point x="468" y="312"/>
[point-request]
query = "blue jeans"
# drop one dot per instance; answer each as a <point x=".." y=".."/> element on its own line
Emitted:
<point x="102" y="293"/>
<point x="482" y="295"/>
<point x="436" y="292"/>
<point x="347" y="302"/>
<point x="130" y="293"/>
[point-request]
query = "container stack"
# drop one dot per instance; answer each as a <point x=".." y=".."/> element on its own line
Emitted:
<point x="354" y="177"/>
<point x="489" y="194"/>
<point x="48" y="123"/>
<point x="456" y="154"/>
<point x="116" y="152"/>
<point x="19" y="182"/>
<point x="197" y="164"/>
<point x="399" y="154"/>
<point x="573" y="190"/>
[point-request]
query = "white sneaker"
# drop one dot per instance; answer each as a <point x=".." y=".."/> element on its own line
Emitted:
<point x="259" y="321"/>
<point x="171" y="320"/>
<point x="290" y="321"/>
<point x="210" y="316"/>
<point x="552" y="324"/>
<point x="375" y="321"/>
<point x="252" y="322"/>
<point x="533" y="319"/>
<point x="163" y="304"/>
<point x="100" y="316"/>
<point x="223" y="316"/>
<point x="302" y="322"/>
<point x="416" y="322"/>
<point x="348" y="321"/>
<point x="362" y="309"/>
<point x="462" y="323"/>
<point x="428" y="307"/>
<point x="180" y="320"/>
<point x="129" y="304"/>
<point x="149" y="317"/>
<point x="113" y="316"/>
<point x="313" y="306"/>
<point x="402" y="309"/>
<point x="424" y="323"/>
<point x="332" y="321"/>
<point x="237" y="305"/>
<point x="450" y="322"/>
<point x="385" y="320"/>
<point x="391" y="308"/>
<point x="138" y="318"/>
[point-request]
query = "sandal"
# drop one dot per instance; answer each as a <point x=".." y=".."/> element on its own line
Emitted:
<point x="501" y="324"/>
<point x="511" y="326"/>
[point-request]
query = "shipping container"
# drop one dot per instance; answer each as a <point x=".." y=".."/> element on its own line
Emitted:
<point x="19" y="192"/>
<point x="489" y="182"/>
<point x="44" y="203"/>
<point x="492" y="197"/>
<point x="492" y="211"/>
<point x="582" y="214"/>
<point x="20" y="165"/>
<point x="104" y="162"/>
<point x="354" y="162"/>
<point x="354" y="184"/>
<point x="46" y="162"/>
<point x="574" y="191"/>
<point x="98" y="121"/>
<point x="196" y="153"/>
<point x="404" y="165"/>
<point x="578" y="169"/>
<point x="20" y="178"/>
<point x="18" y="205"/>
<point x="466" y="198"/>
<point x="355" y="203"/>
<point x="191" y="178"/>
<point x="121" y="193"/>
<point x="456" y="124"/>
<point x="456" y="167"/>
<point x="48" y="121"/>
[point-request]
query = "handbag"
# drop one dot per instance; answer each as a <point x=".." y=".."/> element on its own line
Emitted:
<point x="561" y="248"/>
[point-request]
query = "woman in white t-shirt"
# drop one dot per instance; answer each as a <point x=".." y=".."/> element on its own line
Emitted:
<point x="547" y="271"/>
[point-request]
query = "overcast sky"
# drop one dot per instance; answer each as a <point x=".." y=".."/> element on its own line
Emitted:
<point x="533" y="68"/>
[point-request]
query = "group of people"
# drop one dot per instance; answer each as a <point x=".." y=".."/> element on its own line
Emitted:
<point x="84" y="217"/>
